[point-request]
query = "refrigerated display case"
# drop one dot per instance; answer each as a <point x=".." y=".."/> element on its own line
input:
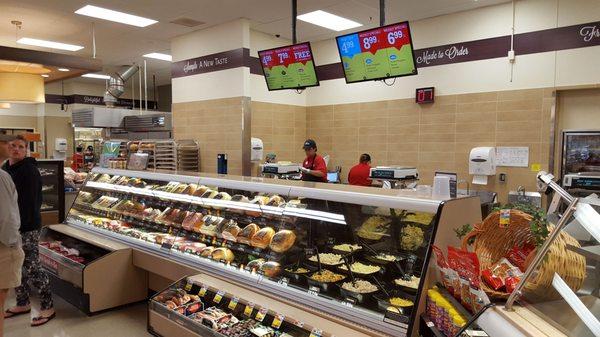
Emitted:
<point x="53" y="190"/>
<point x="351" y="255"/>
<point x="90" y="273"/>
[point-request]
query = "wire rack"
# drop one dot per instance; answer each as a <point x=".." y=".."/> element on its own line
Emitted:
<point x="188" y="157"/>
<point x="162" y="154"/>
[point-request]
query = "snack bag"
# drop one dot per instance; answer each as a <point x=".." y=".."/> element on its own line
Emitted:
<point x="499" y="274"/>
<point x="517" y="255"/>
<point x="479" y="299"/>
<point x="445" y="271"/>
<point x="467" y="267"/>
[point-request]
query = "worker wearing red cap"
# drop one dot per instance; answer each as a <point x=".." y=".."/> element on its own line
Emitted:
<point x="314" y="167"/>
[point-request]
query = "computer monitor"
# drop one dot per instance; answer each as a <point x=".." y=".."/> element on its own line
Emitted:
<point x="333" y="177"/>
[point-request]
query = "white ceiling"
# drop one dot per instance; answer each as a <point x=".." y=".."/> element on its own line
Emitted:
<point x="119" y="44"/>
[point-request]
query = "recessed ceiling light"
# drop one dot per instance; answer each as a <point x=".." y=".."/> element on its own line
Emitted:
<point x="160" y="56"/>
<point x="110" y="15"/>
<point x="99" y="76"/>
<point x="45" y="75"/>
<point x="328" y="20"/>
<point x="48" y="44"/>
<point x="63" y="69"/>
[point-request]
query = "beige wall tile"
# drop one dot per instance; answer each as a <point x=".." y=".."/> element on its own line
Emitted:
<point x="477" y="97"/>
<point x="525" y="104"/>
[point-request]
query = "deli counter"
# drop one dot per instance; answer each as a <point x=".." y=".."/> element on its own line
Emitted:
<point x="349" y="259"/>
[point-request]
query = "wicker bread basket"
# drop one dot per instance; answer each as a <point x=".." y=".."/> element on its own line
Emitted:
<point x="492" y="242"/>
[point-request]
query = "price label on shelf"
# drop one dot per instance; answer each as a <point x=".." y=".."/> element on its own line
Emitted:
<point x="310" y="251"/>
<point x="284" y="281"/>
<point x="504" y="218"/>
<point x="249" y="308"/>
<point x="219" y="296"/>
<point x="330" y="241"/>
<point x="316" y="333"/>
<point x="279" y="318"/>
<point x="233" y="303"/>
<point x="188" y="286"/>
<point x="202" y="291"/>
<point x="260" y="315"/>
<point x="314" y="290"/>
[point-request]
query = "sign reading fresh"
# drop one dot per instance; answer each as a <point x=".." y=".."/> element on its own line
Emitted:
<point x="378" y="53"/>
<point x="289" y="67"/>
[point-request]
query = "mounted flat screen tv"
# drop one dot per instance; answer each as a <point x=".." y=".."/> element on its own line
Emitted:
<point x="289" y="67"/>
<point x="376" y="54"/>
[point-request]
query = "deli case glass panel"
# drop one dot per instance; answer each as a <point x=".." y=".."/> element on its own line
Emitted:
<point x="356" y="253"/>
<point x="53" y="190"/>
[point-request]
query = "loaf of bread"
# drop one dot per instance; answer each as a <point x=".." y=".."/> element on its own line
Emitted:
<point x="255" y="264"/>
<point x="231" y="231"/>
<point x="223" y="254"/>
<point x="271" y="269"/>
<point x="200" y="191"/>
<point x="276" y="201"/>
<point x="262" y="238"/>
<point x="247" y="233"/>
<point x="282" y="241"/>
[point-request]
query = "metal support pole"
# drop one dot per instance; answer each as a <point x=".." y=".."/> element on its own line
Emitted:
<point x="294" y="16"/>
<point x="539" y="256"/>
<point x="145" y="88"/>
<point x="140" y="86"/>
<point x="381" y="12"/>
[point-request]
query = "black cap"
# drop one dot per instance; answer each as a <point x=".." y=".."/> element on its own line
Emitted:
<point x="309" y="144"/>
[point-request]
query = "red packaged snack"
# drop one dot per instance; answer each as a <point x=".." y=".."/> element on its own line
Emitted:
<point x="494" y="281"/>
<point x="500" y="274"/>
<point x="466" y="265"/>
<point x="517" y="255"/>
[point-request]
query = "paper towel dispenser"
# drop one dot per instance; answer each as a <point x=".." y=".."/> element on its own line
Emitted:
<point x="482" y="161"/>
<point x="257" y="149"/>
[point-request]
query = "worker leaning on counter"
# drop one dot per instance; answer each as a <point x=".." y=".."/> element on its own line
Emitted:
<point x="313" y="167"/>
<point x="359" y="173"/>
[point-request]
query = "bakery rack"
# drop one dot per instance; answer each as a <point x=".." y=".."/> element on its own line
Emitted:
<point x="162" y="154"/>
<point x="188" y="157"/>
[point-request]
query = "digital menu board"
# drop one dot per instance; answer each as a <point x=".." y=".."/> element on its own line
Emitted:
<point x="289" y="67"/>
<point x="377" y="53"/>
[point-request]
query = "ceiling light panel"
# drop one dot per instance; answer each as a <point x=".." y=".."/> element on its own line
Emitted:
<point x="48" y="44"/>
<point x="115" y="16"/>
<point x="98" y="76"/>
<point x="160" y="56"/>
<point x="328" y="20"/>
<point x="63" y="69"/>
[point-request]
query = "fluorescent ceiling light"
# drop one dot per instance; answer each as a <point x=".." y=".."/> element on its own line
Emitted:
<point x="48" y="44"/>
<point x="328" y="20"/>
<point x="99" y="76"/>
<point x="160" y="56"/>
<point x="110" y="15"/>
<point x="45" y="75"/>
<point x="63" y="69"/>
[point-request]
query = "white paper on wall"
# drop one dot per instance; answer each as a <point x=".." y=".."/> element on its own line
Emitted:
<point x="512" y="156"/>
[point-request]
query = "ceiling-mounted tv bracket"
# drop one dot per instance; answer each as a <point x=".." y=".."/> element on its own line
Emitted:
<point x="294" y="39"/>
<point x="381" y="24"/>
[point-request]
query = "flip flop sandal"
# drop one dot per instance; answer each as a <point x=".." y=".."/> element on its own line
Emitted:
<point x="43" y="319"/>
<point x="15" y="313"/>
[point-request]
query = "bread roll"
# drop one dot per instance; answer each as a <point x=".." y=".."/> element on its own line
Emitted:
<point x="207" y="252"/>
<point x="223" y="254"/>
<point x="262" y="238"/>
<point x="255" y="264"/>
<point x="271" y="269"/>
<point x="276" y="201"/>
<point x="247" y="233"/>
<point x="231" y="231"/>
<point x="282" y="241"/>
<point x="258" y="200"/>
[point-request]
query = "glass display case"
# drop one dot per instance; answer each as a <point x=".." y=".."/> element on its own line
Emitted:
<point x="360" y="255"/>
<point x="53" y="190"/>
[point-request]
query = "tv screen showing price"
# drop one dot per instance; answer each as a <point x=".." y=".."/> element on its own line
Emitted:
<point x="289" y="67"/>
<point x="378" y="53"/>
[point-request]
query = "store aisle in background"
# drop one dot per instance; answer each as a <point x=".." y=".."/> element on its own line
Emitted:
<point x="129" y="321"/>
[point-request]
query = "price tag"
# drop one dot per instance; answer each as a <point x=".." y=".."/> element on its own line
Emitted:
<point x="279" y="318"/>
<point x="316" y="333"/>
<point x="249" y="308"/>
<point x="430" y="324"/>
<point x="504" y="218"/>
<point x="314" y="290"/>
<point x="330" y="241"/>
<point x="284" y="281"/>
<point x="219" y="296"/>
<point x="260" y="315"/>
<point x="310" y="251"/>
<point x="202" y="291"/>
<point x="166" y="245"/>
<point x="349" y="302"/>
<point x="233" y="303"/>
<point x="188" y="286"/>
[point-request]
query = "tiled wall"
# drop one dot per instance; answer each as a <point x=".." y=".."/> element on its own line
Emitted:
<point x="438" y="136"/>
<point x="217" y="126"/>
<point x="282" y="129"/>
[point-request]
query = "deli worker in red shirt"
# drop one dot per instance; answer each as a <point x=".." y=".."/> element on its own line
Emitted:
<point x="313" y="167"/>
<point x="359" y="174"/>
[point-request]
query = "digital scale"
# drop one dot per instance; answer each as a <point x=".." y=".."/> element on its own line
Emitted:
<point x="394" y="174"/>
<point x="277" y="170"/>
<point x="584" y="181"/>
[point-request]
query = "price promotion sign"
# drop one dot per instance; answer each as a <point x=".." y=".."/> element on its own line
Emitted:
<point x="289" y="67"/>
<point x="378" y="53"/>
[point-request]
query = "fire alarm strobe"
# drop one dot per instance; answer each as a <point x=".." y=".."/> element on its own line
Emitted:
<point x="424" y="95"/>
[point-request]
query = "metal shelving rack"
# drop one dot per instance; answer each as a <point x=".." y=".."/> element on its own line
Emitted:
<point x="188" y="156"/>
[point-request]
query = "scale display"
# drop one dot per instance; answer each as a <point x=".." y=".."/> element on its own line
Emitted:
<point x="289" y="67"/>
<point x="379" y="53"/>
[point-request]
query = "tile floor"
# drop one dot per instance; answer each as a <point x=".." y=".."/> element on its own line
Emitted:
<point x="129" y="321"/>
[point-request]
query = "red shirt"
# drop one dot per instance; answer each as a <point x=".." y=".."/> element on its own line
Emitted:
<point x="359" y="175"/>
<point x="316" y="163"/>
<point x="77" y="161"/>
